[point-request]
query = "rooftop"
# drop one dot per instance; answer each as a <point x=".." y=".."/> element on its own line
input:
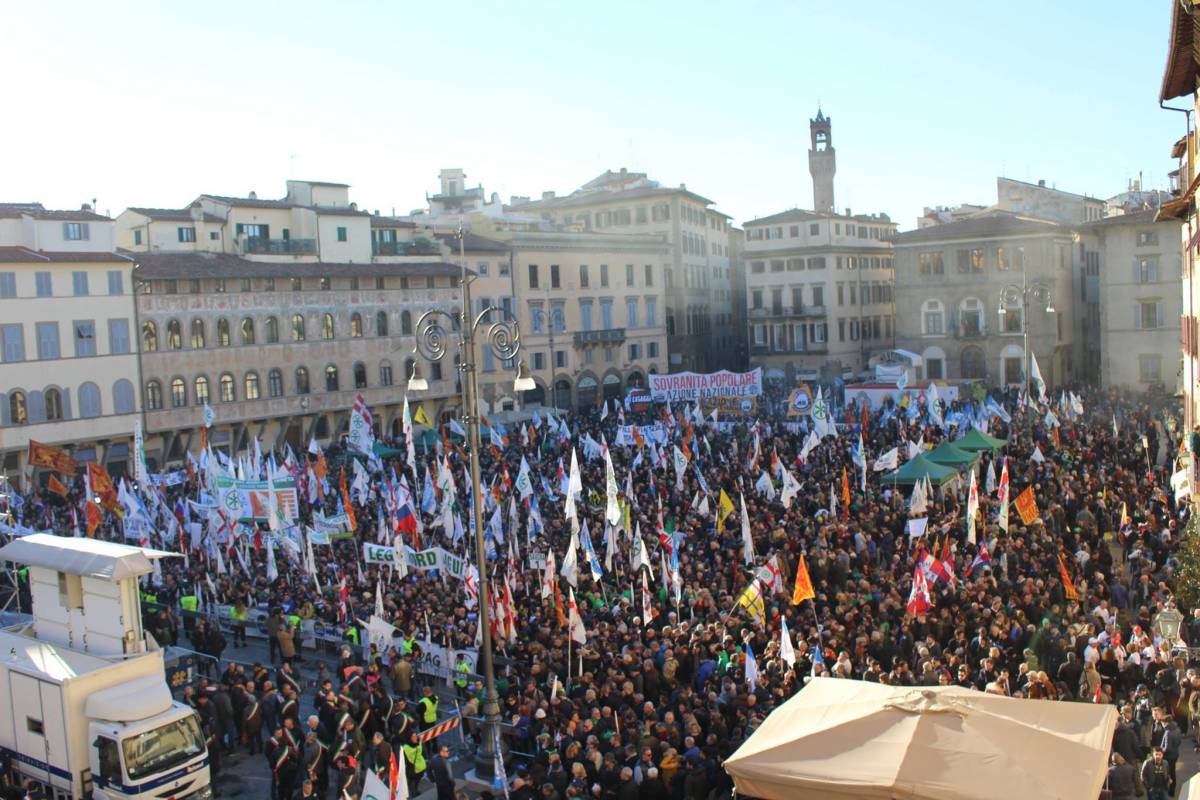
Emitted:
<point x="472" y="243"/>
<point x="1144" y="217"/>
<point x="1179" y="75"/>
<point x="801" y="215"/>
<point x="582" y="198"/>
<point x="91" y="558"/>
<point x="17" y="254"/>
<point x="993" y="223"/>
<point x="391" y="222"/>
<point x="172" y="214"/>
<point x="226" y="265"/>
<point x="38" y="211"/>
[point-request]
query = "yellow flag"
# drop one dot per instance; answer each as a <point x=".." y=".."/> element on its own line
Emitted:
<point x="751" y="599"/>
<point x="421" y="417"/>
<point x="724" y="506"/>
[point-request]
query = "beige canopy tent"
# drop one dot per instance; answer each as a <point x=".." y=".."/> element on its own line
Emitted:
<point x="852" y="739"/>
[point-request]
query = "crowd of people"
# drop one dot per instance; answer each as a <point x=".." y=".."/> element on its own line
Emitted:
<point x="648" y="705"/>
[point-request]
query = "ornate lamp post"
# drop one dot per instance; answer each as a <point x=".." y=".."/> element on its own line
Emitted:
<point x="1014" y="294"/>
<point x="503" y="337"/>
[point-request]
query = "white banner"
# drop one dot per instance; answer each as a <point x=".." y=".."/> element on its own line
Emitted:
<point x="656" y="433"/>
<point x="433" y="558"/>
<point x="693" y="386"/>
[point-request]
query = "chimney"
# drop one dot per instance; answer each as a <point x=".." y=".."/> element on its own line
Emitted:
<point x="547" y="195"/>
<point x="354" y="206"/>
<point x="1042" y="183"/>
<point x="86" y="207"/>
<point x="848" y="214"/>
<point x="376" y="212"/>
<point x="253" y="195"/>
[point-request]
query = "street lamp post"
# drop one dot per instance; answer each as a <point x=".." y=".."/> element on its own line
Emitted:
<point x="1010" y="295"/>
<point x="503" y="337"/>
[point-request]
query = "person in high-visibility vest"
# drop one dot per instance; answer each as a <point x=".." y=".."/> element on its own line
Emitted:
<point x="189" y="603"/>
<point x="464" y="671"/>
<point x="293" y="621"/>
<point x="414" y="763"/>
<point x="428" y="707"/>
<point x="239" y="615"/>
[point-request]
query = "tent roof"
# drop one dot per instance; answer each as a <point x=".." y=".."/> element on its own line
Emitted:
<point x="852" y="739"/>
<point x="977" y="440"/>
<point x="949" y="455"/>
<point x="918" y="469"/>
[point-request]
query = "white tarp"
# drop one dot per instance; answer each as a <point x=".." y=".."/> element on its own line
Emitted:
<point x="852" y="739"/>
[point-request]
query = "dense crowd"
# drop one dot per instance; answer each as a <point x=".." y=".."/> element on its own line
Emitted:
<point x="649" y="708"/>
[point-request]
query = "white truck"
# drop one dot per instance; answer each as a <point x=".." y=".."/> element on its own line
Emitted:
<point x="89" y="713"/>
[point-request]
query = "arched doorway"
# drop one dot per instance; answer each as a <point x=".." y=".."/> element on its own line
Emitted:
<point x="587" y="390"/>
<point x="972" y="363"/>
<point x="562" y="393"/>
<point x="612" y="387"/>
<point x="635" y="380"/>
<point x="535" y="396"/>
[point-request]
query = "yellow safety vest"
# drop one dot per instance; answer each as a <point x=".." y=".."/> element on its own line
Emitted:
<point x="415" y="757"/>
<point x="430" y="703"/>
<point x="238" y="616"/>
<point x="464" y="668"/>
<point x="188" y="602"/>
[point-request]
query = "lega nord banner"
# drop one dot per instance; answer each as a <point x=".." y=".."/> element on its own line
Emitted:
<point x="248" y="500"/>
<point x="693" y="386"/>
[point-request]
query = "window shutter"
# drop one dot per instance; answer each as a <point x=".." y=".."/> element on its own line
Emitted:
<point x="1137" y="317"/>
<point x="1158" y="314"/>
<point x="1137" y="271"/>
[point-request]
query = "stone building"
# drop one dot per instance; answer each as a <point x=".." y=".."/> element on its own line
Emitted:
<point x="949" y="279"/>
<point x="697" y="280"/>
<point x="818" y="284"/>
<point x="1130" y="283"/>
<point x="68" y="366"/>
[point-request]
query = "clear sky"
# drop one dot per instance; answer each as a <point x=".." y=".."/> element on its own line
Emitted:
<point x="154" y="103"/>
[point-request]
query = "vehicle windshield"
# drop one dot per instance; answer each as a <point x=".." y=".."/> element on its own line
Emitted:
<point x="162" y="748"/>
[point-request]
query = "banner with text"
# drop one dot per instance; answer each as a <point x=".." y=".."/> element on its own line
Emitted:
<point x="246" y="500"/>
<point x="693" y="386"/>
<point x="433" y="558"/>
<point x="656" y="433"/>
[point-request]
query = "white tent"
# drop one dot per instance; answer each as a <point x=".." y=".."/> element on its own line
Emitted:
<point x="853" y="739"/>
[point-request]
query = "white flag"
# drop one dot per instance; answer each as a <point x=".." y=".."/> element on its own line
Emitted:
<point x="1036" y="376"/>
<point x="888" y="461"/>
<point x="574" y="621"/>
<point x="919" y="502"/>
<point x="810" y="442"/>
<point x="570" y="565"/>
<point x="989" y="484"/>
<point x="791" y="488"/>
<point x="681" y="463"/>
<point x="524" y="482"/>
<point x="751" y="669"/>
<point x="972" y="507"/>
<point x="786" y="651"/>
<point x="1002" y="500"/>
<point x="574" y="486"/>
<point x="934" y="404"/>
<point x="914" y="450"/>
<point x="612" y="511"/>
<point x="747" y="539"/>
<point x="1037" y="456"/>
<point x="764" y="486"/>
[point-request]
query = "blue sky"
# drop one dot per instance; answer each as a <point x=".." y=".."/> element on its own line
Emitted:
<point x="153" y="103"/>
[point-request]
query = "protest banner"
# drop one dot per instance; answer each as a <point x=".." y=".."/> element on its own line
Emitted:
<point x="692" y="386"/>
<point x="248" y="500"/>
<point x="656" y="433"/>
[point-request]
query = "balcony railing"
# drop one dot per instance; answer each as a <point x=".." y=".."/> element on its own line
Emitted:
<point x="787" y="311"/>
<point x="970" y="333"/>
<point x="607" y="336"/>
<point x="405" y="249"/>
<point x="284" y="247"/>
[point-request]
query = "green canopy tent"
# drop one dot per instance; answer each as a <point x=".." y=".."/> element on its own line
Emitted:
<point x="920" y="468"/>
<point x="975" y="441"/>
<point x="948" y="455"/>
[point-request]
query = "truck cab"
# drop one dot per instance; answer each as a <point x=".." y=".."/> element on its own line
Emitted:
<point x="161" y="757"/>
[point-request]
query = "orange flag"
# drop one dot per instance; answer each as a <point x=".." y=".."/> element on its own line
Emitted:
<point x="56" y="486"/>
<point x="1026" y="506"/>
<point x="43" y="455"/>
<point x="845" y="496"/>
<point x="1065" y="577"/>
<point x="866" y="416"/>
<point x="102" y="486"/>
<point x="804" y="588"/>
<point x="346" y="499"/>
<point x="94" y="516"/>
